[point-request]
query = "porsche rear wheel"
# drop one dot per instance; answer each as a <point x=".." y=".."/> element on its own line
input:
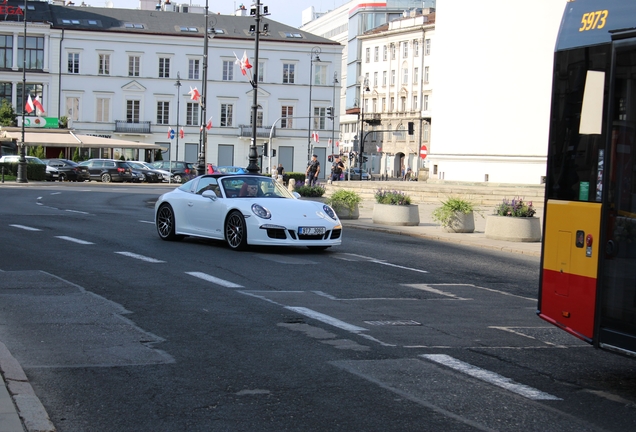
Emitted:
<point x="236" y="231"/>
<point x="166" y="223"/>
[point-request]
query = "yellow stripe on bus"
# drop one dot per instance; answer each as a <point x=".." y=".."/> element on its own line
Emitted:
<point x="564" y="219"/>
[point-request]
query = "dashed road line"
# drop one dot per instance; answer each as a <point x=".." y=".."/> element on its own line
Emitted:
<point x="74" y="240"/>
<point x="326" y="319"/>
<point x="140" y="257"/>
<point x="215" y="280"/>
<point x="77" y="211"/>
<point x="147" y="222"/>
<point x="27" y="228"/>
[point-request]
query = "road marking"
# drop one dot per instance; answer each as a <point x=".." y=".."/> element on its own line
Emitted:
<point x="332" y="297"/>
<point x="215" y="280"/>
<point x="489" y="377"/>
<point x="357" y="257"/>
<point x="56" y="193"/>
<point x="25" y="228"/>
<point x="77" y="211"/>
<point x="74" y="240"/>
<point x="424" y="287"/>
<point x="140" y="257"/>
<point x="326" y="319"/>
<point x="148" y="222"/>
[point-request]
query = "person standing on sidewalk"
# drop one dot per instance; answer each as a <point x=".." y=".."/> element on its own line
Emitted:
<point x="313" y="169"/>
<point x="336" y="169"/>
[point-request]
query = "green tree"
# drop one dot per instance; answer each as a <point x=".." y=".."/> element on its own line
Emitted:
<point x="61" y="156"/>
<point x="39" y="153"/>
<point x="158" y="155"/>
<point x="76" y="155"/>
<point x="7" y="114"/>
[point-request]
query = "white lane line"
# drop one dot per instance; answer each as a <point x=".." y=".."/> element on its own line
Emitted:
<point x="140" y="257"/>
<point x="326" y="319"/>
<point x="398" y="266"/>
<point x="214" y="280"/>
<point x="25" y="227"/>
<point x="148" y="222"/>
<point x="357" y="257"/>
<point x="489" y="377"/>
<point x="77" y="211"/>
<point x="74" y="240"/>
<point x="424" y="287"/>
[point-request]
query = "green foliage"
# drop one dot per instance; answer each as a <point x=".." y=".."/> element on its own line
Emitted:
<point x="122" y="158"/>
<point x="63" y="122"/>
<point x="158" y="155"/>
<point x="76" y="155"/>
<point x="39" y="153"/>
<point x="7" y="114"/>
<point x="61" y="155"/>
<point x="392" y="197"/>
<point x="310" y="191"/>
<point x="299" y="177"/>
<point x="515" y="208"/>
<point x="344" y="199"/>
<point x="449" y="208"/>
<point x="36" y="172"/>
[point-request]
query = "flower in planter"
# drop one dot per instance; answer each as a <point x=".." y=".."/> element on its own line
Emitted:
<point x="515" y="208"/>
<point x="392" y="197"/>
<point x="345" y="199"/>
<point x="315" y="191"/>
<point x="446" y="213"/>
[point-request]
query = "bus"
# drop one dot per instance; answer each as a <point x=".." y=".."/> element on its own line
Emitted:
<point x="588" y="259"/>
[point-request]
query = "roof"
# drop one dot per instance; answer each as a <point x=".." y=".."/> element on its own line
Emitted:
<point x="67" y="138"/>
<point x="98" y="19"/>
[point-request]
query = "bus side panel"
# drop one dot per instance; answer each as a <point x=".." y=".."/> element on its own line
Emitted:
<point x="570" y="266"/>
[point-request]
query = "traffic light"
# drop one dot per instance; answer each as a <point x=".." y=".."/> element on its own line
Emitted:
<point x="411" y="128"/>
<point x="330" y="158"/>
<point x="265" y="148"/>
<point x="330" y="112"/>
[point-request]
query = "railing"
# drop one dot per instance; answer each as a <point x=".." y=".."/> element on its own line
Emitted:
<point x="261" y="132"/>
<point x="122" y="126"/>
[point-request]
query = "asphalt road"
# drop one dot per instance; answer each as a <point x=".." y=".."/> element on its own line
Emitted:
<point x="120" y="331"/>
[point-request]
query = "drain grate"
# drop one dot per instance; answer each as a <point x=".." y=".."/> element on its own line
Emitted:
<point x="393" y="323"/>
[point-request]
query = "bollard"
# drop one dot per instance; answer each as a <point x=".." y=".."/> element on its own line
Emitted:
<point x="2" y="174"/>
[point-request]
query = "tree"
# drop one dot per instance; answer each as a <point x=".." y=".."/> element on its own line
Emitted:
<point x="158" y="155"/>
<point x="76" y="155"/>
<point x="61" y="156"/>
<point x="7" y="114"/>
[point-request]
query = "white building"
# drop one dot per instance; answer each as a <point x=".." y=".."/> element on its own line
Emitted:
<point x="113" y="72"/>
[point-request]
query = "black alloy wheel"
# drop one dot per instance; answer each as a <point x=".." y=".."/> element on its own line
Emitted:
<point x="236" y="231"/>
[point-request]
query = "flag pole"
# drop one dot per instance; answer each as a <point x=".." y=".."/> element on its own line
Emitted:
<point x="22" y="174"/>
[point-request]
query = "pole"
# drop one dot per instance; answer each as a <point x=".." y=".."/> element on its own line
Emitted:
<point x="204" y="96"/>
<point x="333" y="113"/>
<point x="314" y="55"/>
<point x="178" y="86"/>
<point x="252" y="167"/>
<point x="22" y="174"/>
<point x="362" y="87"/>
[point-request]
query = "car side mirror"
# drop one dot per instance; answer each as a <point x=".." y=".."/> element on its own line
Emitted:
<point x="209" y="194"/>
<point x="296" y="195"/>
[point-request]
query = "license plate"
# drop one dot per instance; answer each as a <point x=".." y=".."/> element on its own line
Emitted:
<point x="311" y="230"/>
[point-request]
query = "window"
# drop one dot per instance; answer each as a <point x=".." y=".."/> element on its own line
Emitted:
<point x="393" y="77"/>
<point x="405" y="75"/>
<point x="259" y="117"/>
<point x="383" y="104"/>
<point x="414" y="103"/>
<point x="228" y="70"/>
<point x="73" y="63"/>
<point x="134" y="63"/>
<point x="164" y="67"/>
<point x="288" y="73"/>
<point x="163" y="112"/>
<point x="374" y="107"/>
<point x="405" y="49"/>
<point x="72" y="108"/>
<point x="425" y="131"/>
<point x="402" y="104"/>
<point x="226" y="115"/>
<point x="6" y="51"/>
<point x="367" y="56"/>
<point x="6" y="91"/>
<point x="193" y="69"/>
<point x="425" y="103"/>
<point x="426" y="74"/>
<point x="286" y="123"/>
<point x="320" y="75"/>
<point x="366" y="105"/>
<point x="416" y="75"/>
<point x="261" y="71"/>
<point x="427" y="47"/>
<point x="376" y="54"/>
<point x="384" y="79"/>
<point x="375" y="79"/>
<point x="319" y="118"/>
<point x="34" y="52"/>
<point x="192" y="114"/>
<point x="416" y="48"/>
<point x="132" y="111"/>
<point x="392" y="51"/>
<point x="102" y="110"/>
<point x="32" y="89"/>
<point x="384" y="52"/>
<point x="103" y="68"/>
<point x="392" y="107"/>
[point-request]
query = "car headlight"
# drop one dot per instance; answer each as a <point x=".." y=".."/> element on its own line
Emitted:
<point x="261" y="211"/>
<point x="330" y="212"/>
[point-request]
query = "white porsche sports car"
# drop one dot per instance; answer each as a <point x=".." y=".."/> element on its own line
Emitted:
<point x="245" y="210"/>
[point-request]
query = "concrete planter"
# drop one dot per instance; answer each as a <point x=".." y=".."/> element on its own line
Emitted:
<point x="517" y="229"/>
<point x="461" y="223"/>
<point x="344" y="213"/>
<point x="401" y="215"/>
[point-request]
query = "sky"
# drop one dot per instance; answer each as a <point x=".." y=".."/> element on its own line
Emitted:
<point x="284" y="11"/>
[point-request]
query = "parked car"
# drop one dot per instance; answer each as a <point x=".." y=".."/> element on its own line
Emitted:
<point x="245" y="210"/>
<point x="150" y="175"/>
<point x="52" y="174"/>
<point x="230" y="170"/>
<point x="69" y="170"/>
<point x="107" y="170"/>
<point x="354" y="174"/>
<point x="164" y="175"/>
<point x="182" y="171"/>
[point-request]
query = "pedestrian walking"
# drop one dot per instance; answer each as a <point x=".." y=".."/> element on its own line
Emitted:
<point x="336" y="168"/>
<point x="313" y="169"/>
<point x="280" y="172"/>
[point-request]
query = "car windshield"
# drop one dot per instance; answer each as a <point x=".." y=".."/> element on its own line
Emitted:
<point x="249" y="187"/>
<point x="136" y="165"/>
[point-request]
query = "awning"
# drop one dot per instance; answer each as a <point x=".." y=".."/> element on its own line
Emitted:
<point x="67" y="138"/>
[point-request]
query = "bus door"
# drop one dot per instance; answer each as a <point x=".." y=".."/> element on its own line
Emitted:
<point x="616" y="309"/>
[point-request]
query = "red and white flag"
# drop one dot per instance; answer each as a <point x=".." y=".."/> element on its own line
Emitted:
<point x="181" y="133"/>
<point x="38" y="105"/>
<point x="243" y="63"/>
<point x="378" y="148"/>
<point x="329" y="142"/>
<point x="194" y="94"/>
<point x="337" y="143"/>
<point x="169" y="132"/>
<point x="315" y="137"/>
<point x="29" y="107"/>
<point x="208" y="125"/>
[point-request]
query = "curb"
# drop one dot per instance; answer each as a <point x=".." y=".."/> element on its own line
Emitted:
<point x="29" y="408"/>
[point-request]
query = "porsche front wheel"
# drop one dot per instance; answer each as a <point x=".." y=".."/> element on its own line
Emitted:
<point x="236" y="231"/>
<point x="166" y="223"/>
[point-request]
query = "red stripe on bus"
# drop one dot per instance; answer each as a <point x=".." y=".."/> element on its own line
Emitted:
<point x="568" y="300"/>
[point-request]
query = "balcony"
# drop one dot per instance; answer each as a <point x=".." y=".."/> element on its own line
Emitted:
<point x="122" y="126"/>
<point x="261" y="132"/>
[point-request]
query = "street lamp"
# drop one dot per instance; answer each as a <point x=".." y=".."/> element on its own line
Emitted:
<point x="22" y="174"/>
<point x="364" y="87"/>
<point x="203" y="137"/>
<point x="314" y="57"/>
<point x="333" y="112"/>
<point x="178" y="86"/>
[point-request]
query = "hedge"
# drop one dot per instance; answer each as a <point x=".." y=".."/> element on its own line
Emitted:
<point x="35" y="172"/>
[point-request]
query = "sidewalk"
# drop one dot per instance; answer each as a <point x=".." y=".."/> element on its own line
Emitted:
<point x="431" y="230"/>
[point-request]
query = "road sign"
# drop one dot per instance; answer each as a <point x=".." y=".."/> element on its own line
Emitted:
<point x="172" y="134"/>
<point x="423" y="152"/>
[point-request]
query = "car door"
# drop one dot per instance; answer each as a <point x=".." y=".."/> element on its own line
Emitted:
<point x="206" y="215"/>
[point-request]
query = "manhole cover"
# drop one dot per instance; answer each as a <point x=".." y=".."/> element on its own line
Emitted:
<point x="394" y="323"/>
